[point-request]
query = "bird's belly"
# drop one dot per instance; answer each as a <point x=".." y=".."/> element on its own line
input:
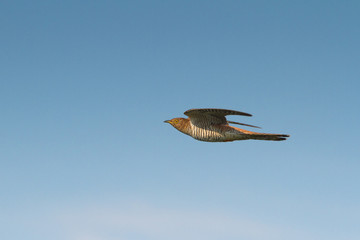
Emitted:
<point x="219" y="134"/>
<point x="208" y="134"/>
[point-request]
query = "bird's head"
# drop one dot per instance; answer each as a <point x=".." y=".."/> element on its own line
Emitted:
<point x="176" y="122"/>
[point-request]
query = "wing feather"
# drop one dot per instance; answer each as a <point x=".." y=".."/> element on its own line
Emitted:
<point x="203" y="117"/>
<point x="248" y="125"/>
<point x="215" y="111"/>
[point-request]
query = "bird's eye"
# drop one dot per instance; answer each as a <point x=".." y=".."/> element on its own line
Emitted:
<point x="176" y="120"/>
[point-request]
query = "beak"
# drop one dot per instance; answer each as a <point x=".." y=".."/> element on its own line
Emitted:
<point x="167" y="121"/>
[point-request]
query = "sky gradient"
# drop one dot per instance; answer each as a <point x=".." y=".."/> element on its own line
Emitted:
<point x="86" y="85"/>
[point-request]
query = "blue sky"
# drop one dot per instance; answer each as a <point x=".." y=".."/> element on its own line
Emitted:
<point x="86" y="85"/>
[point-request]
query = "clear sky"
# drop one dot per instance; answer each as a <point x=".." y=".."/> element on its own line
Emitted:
<point x="86" y="85"/>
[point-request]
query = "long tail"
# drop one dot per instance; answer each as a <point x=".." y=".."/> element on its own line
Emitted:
<point x="260" y="136"/>
<point x="269" y="136"/>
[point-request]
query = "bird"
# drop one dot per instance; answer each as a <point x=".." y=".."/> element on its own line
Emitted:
<point x="211" y="125"/>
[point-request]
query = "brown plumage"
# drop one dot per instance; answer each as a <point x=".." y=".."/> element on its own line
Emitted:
<point x="210" y="125"/>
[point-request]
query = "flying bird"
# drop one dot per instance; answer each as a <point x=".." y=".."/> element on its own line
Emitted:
<point x="211" y="125"/>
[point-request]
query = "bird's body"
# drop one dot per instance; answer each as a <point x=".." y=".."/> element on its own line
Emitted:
<point x="210" y="125"/>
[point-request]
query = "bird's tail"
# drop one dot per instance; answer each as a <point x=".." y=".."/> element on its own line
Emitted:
<point x="270" y="136"/>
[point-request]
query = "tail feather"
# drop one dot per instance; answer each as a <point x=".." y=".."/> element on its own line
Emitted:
<point x="270" y="136"/>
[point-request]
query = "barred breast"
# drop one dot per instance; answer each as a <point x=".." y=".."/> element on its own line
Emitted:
<point x="208" y="134"/>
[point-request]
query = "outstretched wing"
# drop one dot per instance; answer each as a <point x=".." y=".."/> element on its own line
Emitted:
<point x="204" y="117"/>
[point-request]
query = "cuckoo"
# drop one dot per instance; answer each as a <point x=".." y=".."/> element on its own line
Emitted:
<point x="211" y="125"/>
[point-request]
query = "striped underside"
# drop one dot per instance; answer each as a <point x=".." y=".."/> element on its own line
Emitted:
<point x="215" y="133"/>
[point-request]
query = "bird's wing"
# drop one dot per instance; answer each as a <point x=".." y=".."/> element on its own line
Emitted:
<point x="248" y="125"/>
<point x="209" y="116"/>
